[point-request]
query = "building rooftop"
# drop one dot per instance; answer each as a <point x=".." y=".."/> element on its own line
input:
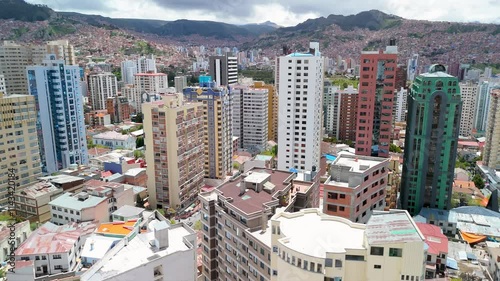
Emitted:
<point x="134" y="172"/>
<point x="261" y="157"/>
<point x="119" y="228"/>
<point x="139" y="252"/>
<point x="434" y="238"/>
<point x="128" y="211"/>
<point x="150" y="74"/>
<point x="96" y="246"/>
<point x="253" y="201"/>
<point x="300" y="55"/>
<point x="5" y="230"/>
<point x="112" y="157"/>
<point x="73" y="202"/>
<point x="358" y="164"/>
<point x="50" y="238"/>
<point x="438" y="74"/>
<point x="395" y="226"/>
<point x="61" y="179"/>
<point x="39" y="189"/>
<point x="112" y="135"/>
<point x="313" y="233"/>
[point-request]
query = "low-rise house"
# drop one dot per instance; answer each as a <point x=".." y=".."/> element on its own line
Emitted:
<point x="126" y="213"/>
<point x="21" y="232"/>
<point x="32" y="203"/>
<point x="115" y="140"/>
<point x="437" y="250"/>
<point x="67" y="183"/>
<point x="54" y="249"/>
<point x="117" y="194"/>
<point x="136" y="176"/>
<point x="97" y="163"/>
<point x="80" y="207"/>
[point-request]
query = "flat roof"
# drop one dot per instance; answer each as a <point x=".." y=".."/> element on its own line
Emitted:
<point x="50" y="238"/>
<point x="356" y="162"/>
<point x="262" y="157"/>
<point x="62" y="179"/>
<point x="117" y="228"/>
<point x="300" y="55"/>
<point x="112" y="135"/>
<point x="139" y="252"/>
<point x="252" y="201"/>
<point x="71" y="201"/>
<point x="391" y="227"/>
<point x="128" y="211"/>
<point x="101" y="245"/>
<point x="39" y="189"/>
<point x="438" y="74"/>
<point x="313" y="233"/>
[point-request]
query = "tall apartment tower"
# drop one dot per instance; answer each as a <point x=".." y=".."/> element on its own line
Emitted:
<point x="18" y="141"/>
<point x="377" y="85"/>
<point x="2" y="84"/>
<point x="272" y="111"/>
<point x="174" y="135"/>
<point x="491" y="153"/>
<point x="14" y="59"/>
<point x="146" y="64"/>
<point x="180" y="82"/>
<point x="223" y="69"/>
<point x="400" y="105"/>
<point x="217" y="107"/>
<point x="340" y="112"/>
<point x="101" y="86"/>
<point x="128" y="70"/>
<point x="300" y="105"/>
<point x="60" y="120"/>
<point x="151" y="82"/>
<point x="62" y="49"/>
<point x="482" y="105"/>
<point x="250" y="118"/>
<point x="469" y="93"/>
<point x="433" y="122"/>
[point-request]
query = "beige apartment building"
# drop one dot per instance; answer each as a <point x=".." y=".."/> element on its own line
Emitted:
<point x="491" y="153"/>
<point x="18" y="141"/>
<point x="14" y="58"/>
<point x="174" y="134"/>
<point x="101" y="86"/>
<point x="272" y="110"/>
<point x="32" y="203"/>
<point x="468" y="93"/>
<point x="236" y="242"/>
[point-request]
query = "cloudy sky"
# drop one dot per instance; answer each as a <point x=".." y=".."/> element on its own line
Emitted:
<point x="282" y="12"/>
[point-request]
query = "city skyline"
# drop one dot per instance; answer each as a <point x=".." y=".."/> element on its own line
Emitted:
<point x="283" y="13"/>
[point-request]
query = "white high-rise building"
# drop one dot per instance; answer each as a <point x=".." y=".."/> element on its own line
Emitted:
<point x="180" y="82"/>
<point x="400" y="106"/>
<point x="300" y="110"/>
<point x="250" y="118"/>
<point x="331" y="103"/>
<point x="146" y="64"/>
<point x="468" y="92"/>
<point x="151" y="82"/>
<point x="482" y="105"/>
<point x="102" y="86"/>
<point x="128" y="70"/>
<point x="491" y="153"/>
<point x="60" y="122"/>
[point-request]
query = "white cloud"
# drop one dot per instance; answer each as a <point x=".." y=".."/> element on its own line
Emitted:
<point x="286" y="13"/>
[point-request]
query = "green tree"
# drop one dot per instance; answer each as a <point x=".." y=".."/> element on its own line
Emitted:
<point x="138" y="118"/>
<point x="274" y="150"/>
<point x="478" y="181"/>
<point x="139" y="142"/>
<point x="90" y="143"/>
<point x="394" y="148"/>
<point x="236" y="165"/>
<point x="138" y="154"/>
<point x="197" y="225"/>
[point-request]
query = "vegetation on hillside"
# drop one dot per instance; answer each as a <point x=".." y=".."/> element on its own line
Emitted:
<point x="20" y="10"/>
<point x="259" y="75"/>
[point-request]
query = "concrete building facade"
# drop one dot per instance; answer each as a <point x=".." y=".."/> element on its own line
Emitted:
<point x="482" y="106"/>
<point x="180" y="82"/>
<point x="32" y="203"/>
<point x="300" y="105"/>
<point x="469" y="94"/>
<point x="223" y="69"/>
<point x="356" y="187"/>
<point x="60" y="122"/>
<point x="434" y="109"/>
<point x="272" y="108"/>
<point x="377" y="85"/>
<point x="491" y="152"/>
<point x="174" y="139"/>
<point x="101" y="86"/>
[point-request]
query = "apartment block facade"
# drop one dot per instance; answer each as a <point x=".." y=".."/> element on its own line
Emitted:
<point x="101" y="86"/>
<point x="377" y="84"/>
<point x="356" y="187"/>
<point x="433" y="123"/>
<point x="223" y="69"/>
<point x="32" y="202"/>
<point x="491" y="152"/>
<point x="250" y="118"/>
<point x="469" y="95"/>
<point x="60" y="122"/>
<point x="300" y="105"/>
<point x="174" y="134"/>
<point x="18" y="142"/>
<point x="272" y="108"/>
<point x="218" y="125"/>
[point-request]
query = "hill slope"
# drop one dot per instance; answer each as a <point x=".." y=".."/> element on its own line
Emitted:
<point x="20" y="10"/>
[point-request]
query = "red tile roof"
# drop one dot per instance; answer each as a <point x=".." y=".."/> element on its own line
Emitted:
<point x="434" y="238"/>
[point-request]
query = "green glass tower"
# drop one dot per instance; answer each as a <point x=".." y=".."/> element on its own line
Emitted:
<point x="434" y="110"/>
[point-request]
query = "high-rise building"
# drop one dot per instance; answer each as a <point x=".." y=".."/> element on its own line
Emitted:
<point x="272" y="111"/>
<point x="433" y="122"/>
<point x="339" y="111"/>
<point x="180" y="82"/>
<point x="355" y="187"/>
<point x="217" y="110"/>
<point x="469" y="93"/>
<point x="14" y="58"/>
<point x="401" y="77"/>
<point x="223" y="69"/>
<point x="2" y="84"/>
<point x="300" y="105"/>
<point x="18" y="142"/>
<point x="239" y="210"/>
<point x="400" y="105"/>
<point x="134" y="98"/>
<point x="146" y="64"/>
<point x="250" y="118"/>
<point x="482" y="105"/>
<point x="491" y="153"/>
<point x="60" y="120"/>
<point x="118" y="108"/>
<point x="174" y="135"/>
<point x="128" y="70"/>
<point x="375" y="101"/>
<point x="151" y="83"/>
<point x="101" y="86"/>
<point x="412" y="68"/>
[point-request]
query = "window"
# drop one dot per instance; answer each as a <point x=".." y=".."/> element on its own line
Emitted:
<point x="354" y="258"/>
<point x="56" y="257"/>
<point x="377" y="251"/>
<point x="57" y="267"/>
<point x="395" y="252"/>
<point x="329" y="262"/>
<point x="342" y="196"/>
<point x="338" y="263"/>
<point x="377" y="266"/>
